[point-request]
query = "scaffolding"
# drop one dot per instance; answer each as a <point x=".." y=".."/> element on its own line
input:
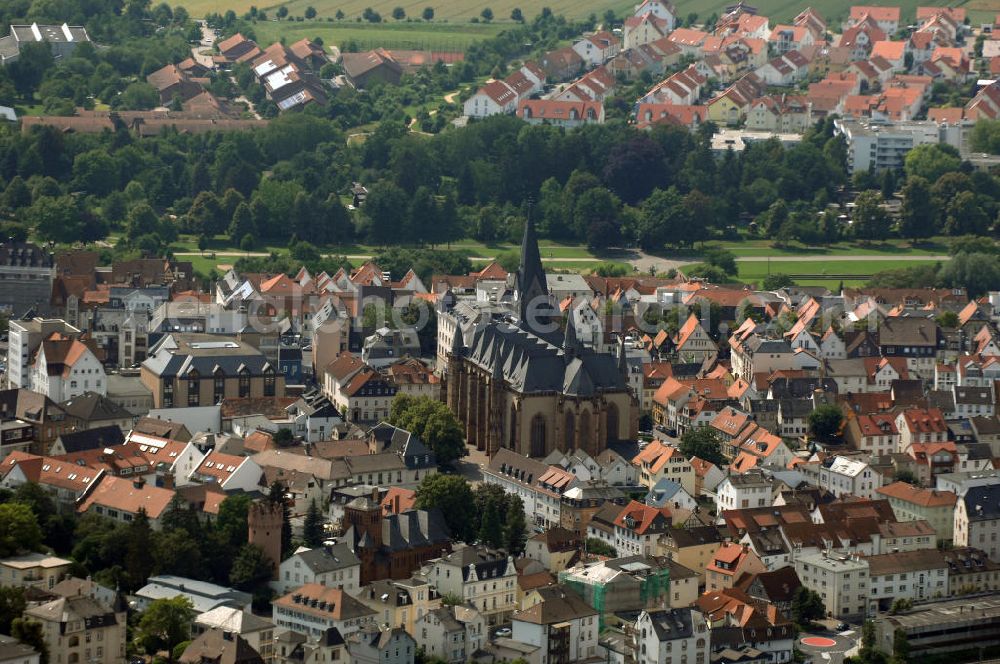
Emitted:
<point x="594" y="583"/>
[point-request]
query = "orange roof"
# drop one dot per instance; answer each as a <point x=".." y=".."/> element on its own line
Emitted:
<point x="690" y="325"/>
<point x="219" y="466"/>
<point x="951" y="54"/>
<point x="877" y="424"/>
<point x="957" y="13"/>
<point x="730" y="421"/>
<point x="398" y="500"/>
<point x="688" y="36"/>
<point x="731" y="555"/>
<point x="492" y="271"/>
<point x="641" y="516"/>
<point x="127" y="495"/>
<point x="890" y="50"/>
<point x="50" y="471"/>
<point x="338" y="605"/>
<point x="949" y="115"/>
<point x="858" y="12"/>
<point x="918" y="496"/>
<point x="657" y="454"/>
<point x="743" y="462"/>
<point x="925" y="420"/>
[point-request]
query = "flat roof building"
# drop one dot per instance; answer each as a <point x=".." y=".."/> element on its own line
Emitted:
<point x="967" y="624"/>
<point x="62" y="39"/>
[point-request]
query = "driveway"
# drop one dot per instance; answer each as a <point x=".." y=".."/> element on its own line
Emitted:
<point x="207" y="39"/>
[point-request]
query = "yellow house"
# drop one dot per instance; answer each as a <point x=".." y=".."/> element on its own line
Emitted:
<point x="400" y="603"/>
<point x="728" y="563"/>
<point x="660" y="461"/>
<point x="36" y="570"/>
<point x="691" y="547"/>
<point x="910" y="503"/>
<point x="724" y="111"/>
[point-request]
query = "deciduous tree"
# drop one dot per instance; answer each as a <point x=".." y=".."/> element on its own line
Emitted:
<point x="164" y="624"/>
<point x="453" y="496"/>
<point x="703" y="443"/>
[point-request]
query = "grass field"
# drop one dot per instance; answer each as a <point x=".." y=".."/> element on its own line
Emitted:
<point x="444" y="10"/>
<point x="839" y="271"/>
<point x="933" y="247"/>
<point x="418" y="35"/>
<point x="452" y="16"/>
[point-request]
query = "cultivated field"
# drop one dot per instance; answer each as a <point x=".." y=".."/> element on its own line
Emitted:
<point x="444" y="10"/>
<point x="460" y="11"/>
<point x="416" y="36"/>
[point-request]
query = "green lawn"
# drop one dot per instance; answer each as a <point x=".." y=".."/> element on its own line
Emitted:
<point x="576" y="258"/>
<point x="418" y="35"/>
<point x="755" y="271"/>
<point x="748" y="248"/>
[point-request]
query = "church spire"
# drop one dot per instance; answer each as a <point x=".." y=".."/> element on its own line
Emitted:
<point x="530" y="275"/>
<point x="571" y="343"/>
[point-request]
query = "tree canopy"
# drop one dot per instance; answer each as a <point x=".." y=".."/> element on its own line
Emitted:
<point x="704" y="443"/>
<point x="433" y="423"/>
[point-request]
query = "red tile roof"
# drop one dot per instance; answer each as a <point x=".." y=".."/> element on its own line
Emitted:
<point x="641" y="517"/>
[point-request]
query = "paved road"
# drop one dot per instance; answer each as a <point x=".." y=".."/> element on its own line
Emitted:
<point x="847" y="641"/>
<point x="207" y="39"/>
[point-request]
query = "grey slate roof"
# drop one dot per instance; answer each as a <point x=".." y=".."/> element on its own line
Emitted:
<point x="91" y="439"/>
<point x="662" y="493"/>
<point x="982" y="502"/>
<point x="322" y="559"/>
<point x="489" y="563"/>
<point x="530" y="363"/>
<point x="901" y="331"/>
<point x="414" y="528"/>
<point x="179" y="354"/>
<point x="401" y="442"/>
<point x="672" y="624"/>
<point x="91" y="406"/>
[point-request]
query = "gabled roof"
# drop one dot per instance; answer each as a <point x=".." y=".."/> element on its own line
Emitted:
<point x="922" y="497"/>
<point x="127" y="495"/>
<point x="858" y="12"/>
<point x="640" y="518"/>
<point x="560" y="606"/>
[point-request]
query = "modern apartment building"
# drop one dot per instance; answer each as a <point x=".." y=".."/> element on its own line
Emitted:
<point x="202" y="370"/>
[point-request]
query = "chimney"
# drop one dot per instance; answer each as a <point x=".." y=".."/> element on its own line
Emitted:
<point x="138" y="483"/>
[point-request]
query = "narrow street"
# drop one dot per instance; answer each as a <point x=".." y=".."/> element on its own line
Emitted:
<point x="207" y="40"/>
